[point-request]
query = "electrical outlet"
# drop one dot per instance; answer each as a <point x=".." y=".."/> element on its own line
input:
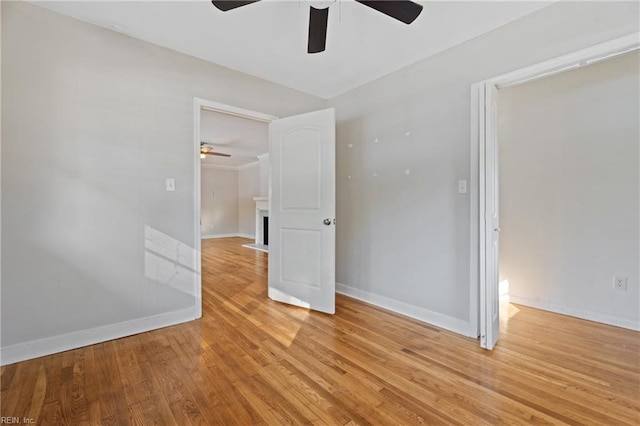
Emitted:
<point x="620" y="283"/>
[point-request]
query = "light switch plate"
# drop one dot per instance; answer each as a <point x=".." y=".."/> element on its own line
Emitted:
<point x="462" y="186"/>
<point x="170" y="184"/>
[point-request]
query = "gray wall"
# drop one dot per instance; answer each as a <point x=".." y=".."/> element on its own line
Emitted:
<point x="406" y="237"/>
<point x="219" y="201"/>
<point x="93" y="123"/>
<point x="248" y="187"/>
<point x="569" y="186"/>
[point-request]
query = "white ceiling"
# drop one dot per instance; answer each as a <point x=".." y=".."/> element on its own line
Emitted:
<point x="244" y="139"/>
<point x="269" y="39"/>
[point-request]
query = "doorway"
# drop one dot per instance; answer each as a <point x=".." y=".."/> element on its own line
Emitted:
<point x="301" y="178"/>
<point x="485" y="225"/>
<point x="568" y="160"/>
<point x="225" y="145"/>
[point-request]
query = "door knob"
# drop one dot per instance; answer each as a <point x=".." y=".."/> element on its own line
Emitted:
<point x="327" y="222"/>
<point x="497" y="229"/>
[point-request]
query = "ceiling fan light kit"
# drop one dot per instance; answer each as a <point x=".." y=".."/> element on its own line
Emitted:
<point x="207" y="150"/>
<point x="405" y="11"/>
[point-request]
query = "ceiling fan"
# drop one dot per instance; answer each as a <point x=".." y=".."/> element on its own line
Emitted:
<point x="403" y="10"/>
<point x="207" y="150"/>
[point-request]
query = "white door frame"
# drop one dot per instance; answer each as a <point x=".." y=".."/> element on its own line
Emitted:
<point x="479" y="143"/>
<point x="198" y="105"/>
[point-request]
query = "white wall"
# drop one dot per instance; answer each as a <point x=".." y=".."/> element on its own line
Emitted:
<point x="265" y="169"/>
<point x="569" y="191"/>
<point x="219" y="201"/>
<point x="231" y="209"/>
<point x="248" y="187"/>
<point x="94" y="122"/>
<point x="403" y="239"/>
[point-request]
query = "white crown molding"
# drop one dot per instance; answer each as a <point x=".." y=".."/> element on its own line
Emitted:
<point x="236" y="168"/>
<point x="248" y="165"/>
<point x="219" y="167"/>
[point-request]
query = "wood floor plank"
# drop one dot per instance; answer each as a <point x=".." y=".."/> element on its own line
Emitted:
<point x="252" y="361"/>
<point x="27" y="378"/>
<point x="38" y="394"/>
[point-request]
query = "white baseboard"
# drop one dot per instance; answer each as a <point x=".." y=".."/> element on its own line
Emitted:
<point x="259" y="247"/>
<point x="209" y="236"/>
<point x="77" y="339"/>
<point x="573" y="312"/>
<point x="443" y="321"/>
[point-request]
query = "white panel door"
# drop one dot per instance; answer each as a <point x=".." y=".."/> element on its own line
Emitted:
<point x="489" y="292"/>
<point x="302" y="210"/>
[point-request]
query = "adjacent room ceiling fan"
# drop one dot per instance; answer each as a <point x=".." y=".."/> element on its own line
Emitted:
<point x="207" y="150"/>
<point x="403" y="10"/>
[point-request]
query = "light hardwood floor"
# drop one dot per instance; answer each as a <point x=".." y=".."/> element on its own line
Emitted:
<point x="250" y="360"/>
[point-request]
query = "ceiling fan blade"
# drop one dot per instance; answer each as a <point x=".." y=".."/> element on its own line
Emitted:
<point x="219" y="154"/>
<point x="226" y="5"/>
<point x="403" y="10"/>
<point x="317" y="29"/>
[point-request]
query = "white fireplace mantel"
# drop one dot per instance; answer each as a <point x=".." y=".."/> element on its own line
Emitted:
<point x="262" y="210"/>
<point x="262" y="203"/>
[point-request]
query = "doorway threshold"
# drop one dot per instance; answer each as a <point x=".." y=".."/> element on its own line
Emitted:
<point x="259" y="247"/>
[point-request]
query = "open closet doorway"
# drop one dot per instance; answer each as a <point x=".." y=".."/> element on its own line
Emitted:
<point x="568" y="157"/>
<point x="485" y="184"/>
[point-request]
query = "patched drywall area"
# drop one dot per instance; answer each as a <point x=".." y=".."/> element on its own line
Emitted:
<point x="569" y="191"/>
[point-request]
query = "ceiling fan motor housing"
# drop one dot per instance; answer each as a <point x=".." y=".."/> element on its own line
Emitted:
<point x="321" y="4"/>
<point x="402" y="10"/>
